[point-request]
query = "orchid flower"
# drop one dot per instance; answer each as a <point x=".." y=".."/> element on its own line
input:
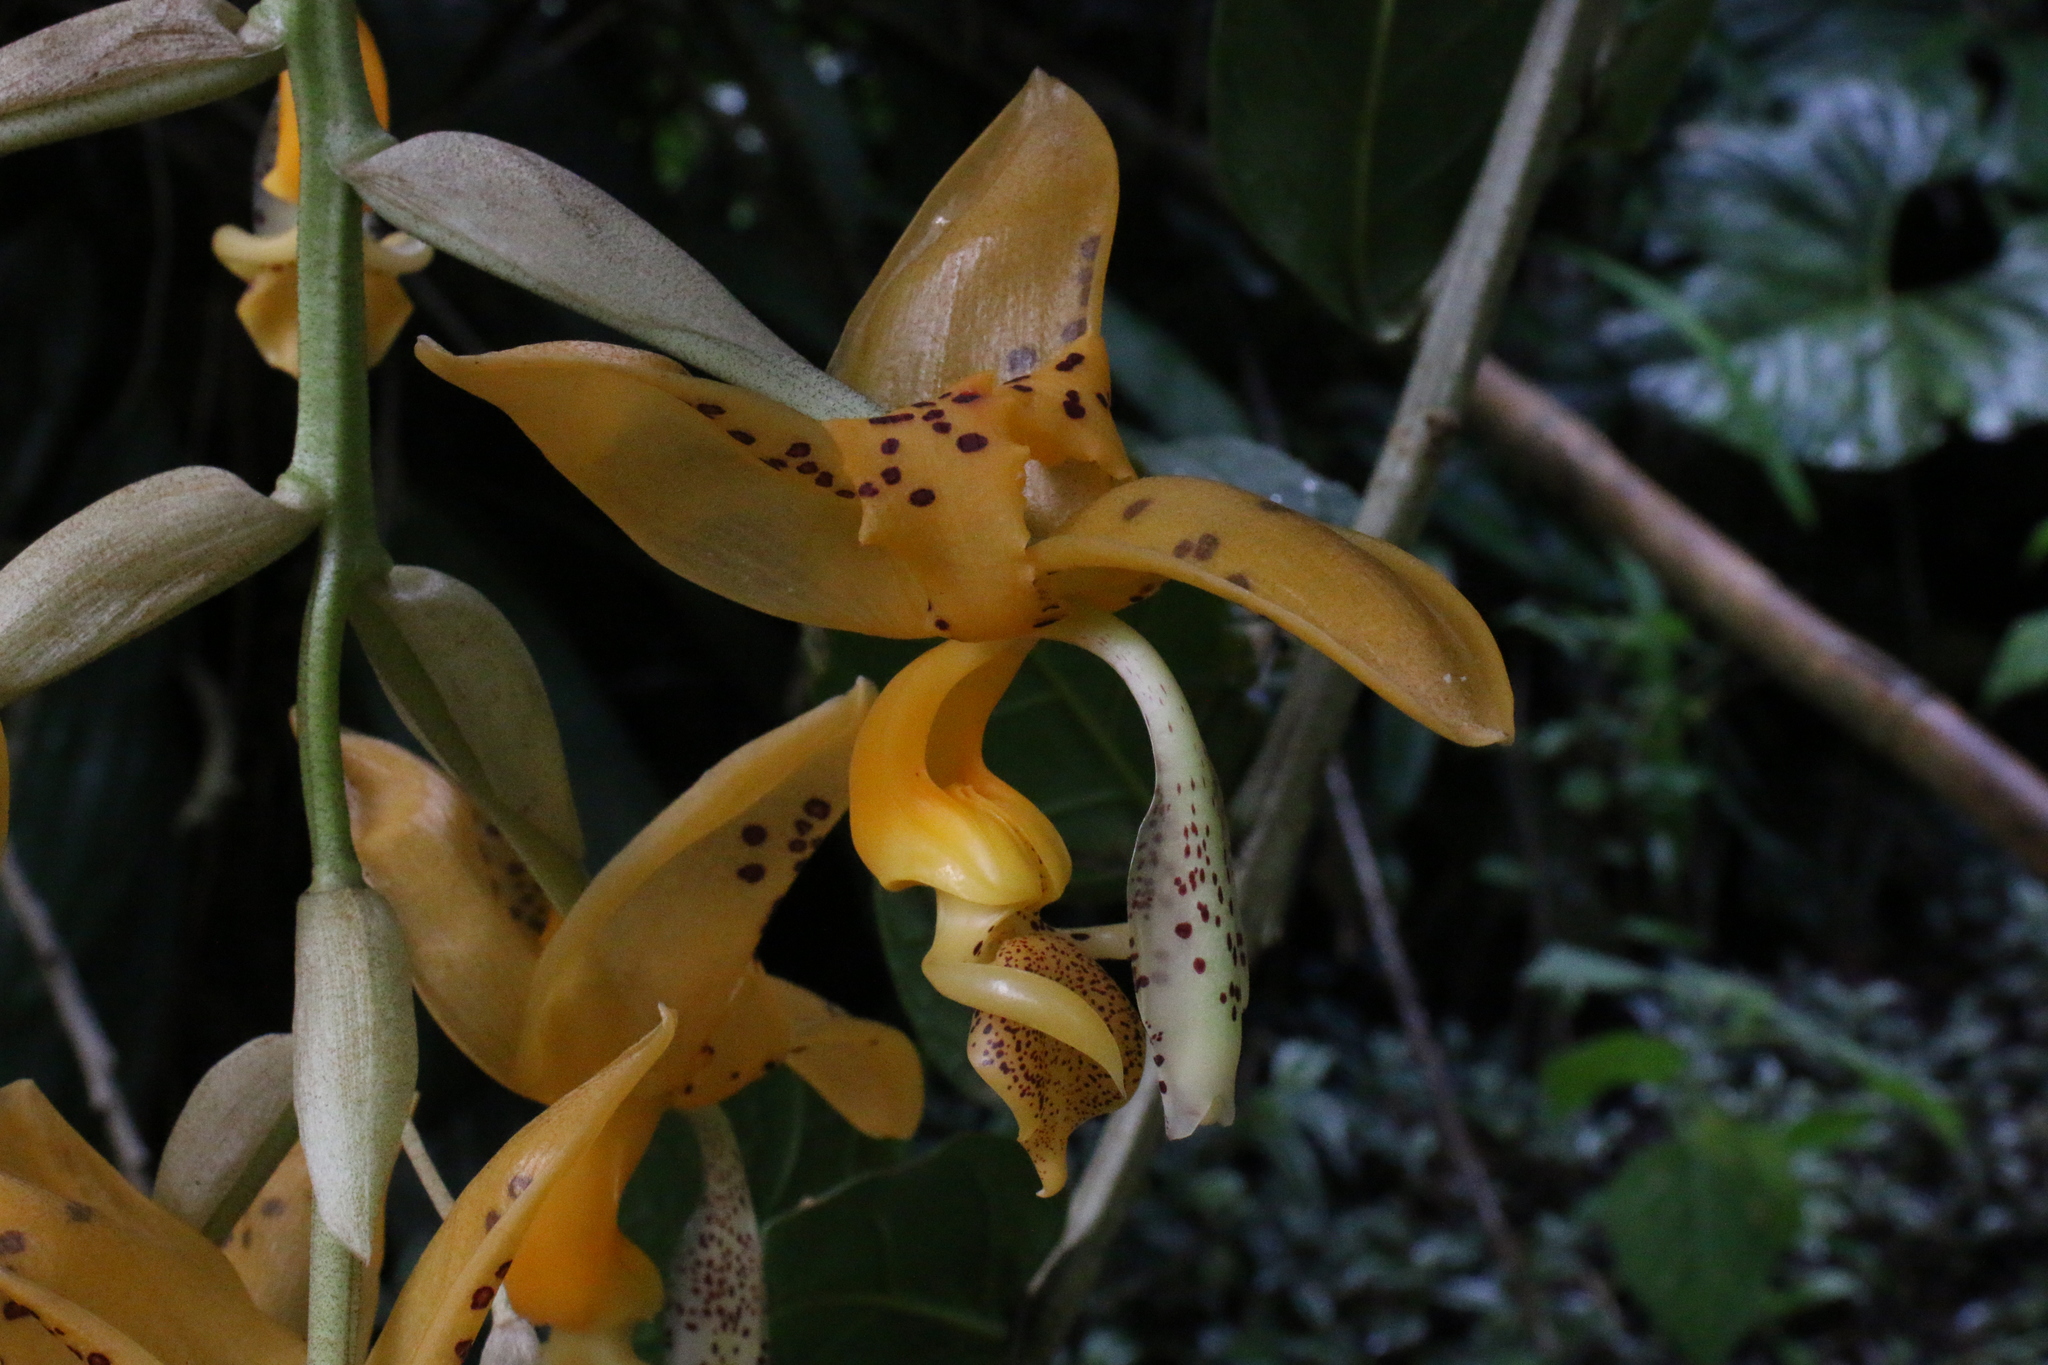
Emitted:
<point x="93" y="1271"/>
<point x="268" y="259"/>
<point x="541" y="999"/>
<point x="992" y="503"/>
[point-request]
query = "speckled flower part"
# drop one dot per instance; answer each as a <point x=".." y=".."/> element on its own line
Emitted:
<point x="1051" y="1087"/>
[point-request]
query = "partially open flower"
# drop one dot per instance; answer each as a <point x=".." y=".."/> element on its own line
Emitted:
<point x="541" y="999"/>
<point x="268" y="260"/>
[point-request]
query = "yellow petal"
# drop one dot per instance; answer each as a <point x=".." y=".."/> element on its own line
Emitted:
<point x="733" y="491"/>
<point x="441" y="1308"/>
<point x="282" y="179"/>
<point x="70" y="1224"/>
<point x="473" y="918"/>
<point x="269" y="313"/>
<point x="926" y="809"/>
<point x="1049" y="1086"/>
<point x="41" y="1327"/>
<point x="749" y="1041"/>
<point x="1390" y="620"/>
<point x="954" y="488"/>
<point x="270" y="1246"/>
<point x="867" y="1071"/>
<point x="269" y="307"/>
<point x="1003" y="263"/>
<point x="674" y="918"/>
<point x="575" y="1269"/>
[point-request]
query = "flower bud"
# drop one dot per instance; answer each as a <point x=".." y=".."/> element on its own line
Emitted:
<point x="127" y="62"/>
<point x="524" y="219"/>
<point x="356" y="1061"/>
<point x="463" y="682"/>
<point x="130" y="562"/>
<point x="233" y="1131"/>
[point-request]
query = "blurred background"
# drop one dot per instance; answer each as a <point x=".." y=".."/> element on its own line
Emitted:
<point x="1821" y="265"/>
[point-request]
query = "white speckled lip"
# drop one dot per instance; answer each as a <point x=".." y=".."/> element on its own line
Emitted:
<point x="1190" y="961"/>
<point x="717" y="1292"/>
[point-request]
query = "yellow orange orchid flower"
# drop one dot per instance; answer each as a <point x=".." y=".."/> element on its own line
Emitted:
<point x="268" y="260"/>
<point x="541" y="999"/>
<point x="988" y="499"/>
<point x="92" y="1271"/>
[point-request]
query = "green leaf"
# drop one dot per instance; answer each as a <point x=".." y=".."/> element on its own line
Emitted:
<point x="1576" y="1077"/>
<point x="1644" y="73"/>
<point x="1699" y="1224"/>
<point x="905" y="921"/>
<point x="2021" y="664"/>
<point x="1574" y="972"/>
<point x="925" y="1262"/>
<point x="1255" y="467"/>
<point x="1348" y="135"/>
<point x="1176" y="396"/>
<point x="1826" y="1129"/>
<point x="1795" y="225"/>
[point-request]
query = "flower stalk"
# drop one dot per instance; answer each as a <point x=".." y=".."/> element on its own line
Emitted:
<point x="330" y="471"/>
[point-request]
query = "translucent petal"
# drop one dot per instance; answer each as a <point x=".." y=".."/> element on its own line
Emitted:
<point x="442" y="1306"/>
<point x="70" y="1224"/>
<point x="1390" y="620"/>
<point x="473" y="920"/>
<point x="575" y="1269"/>
<point x="733" y="491"/>
<point x="748" y="1042"/>
<point x="674" y="918"/>
<point x="1003" y="263"/>
<point x="1051" y="1087"/>
<point x="926" y="809"/>
<point x="867" y="1071"/>
<point x="270" y="1246"/>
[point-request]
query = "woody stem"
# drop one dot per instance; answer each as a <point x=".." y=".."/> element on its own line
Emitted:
<point x="331" y="469"/>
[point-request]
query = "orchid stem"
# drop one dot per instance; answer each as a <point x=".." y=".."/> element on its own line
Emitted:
<point x="330" y="469"/>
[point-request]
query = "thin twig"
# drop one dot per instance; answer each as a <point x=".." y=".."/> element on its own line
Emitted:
<point x="96" y="1057"/>
<point x="1877" y="698"/>
<point x="1429" y="1058"/>
<point x="423" y="1166"/>
<point x="1275" y="803"/>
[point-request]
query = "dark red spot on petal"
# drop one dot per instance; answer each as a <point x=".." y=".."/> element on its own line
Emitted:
<point x="1074" y="358"/>
<point x="1137" y="506"/>
<point x="1240" y="580"/>
<point x="711" y="409"/>
<point x="868" y="490"/>
<point x="824" y="480"/>
<point x="817" y="808"/>
<point x="807" y="467"/>
<point x="754" y="834"/>
<point x="481" y="1299"/>
<point x="1184" y="549"/>
<point x="799" y="450"/>
<point x="745" y="438"/>
<point x="892" y="475"/>
<point x="1205" y="548"/>
<point x="1073" y="406"/>
<point x="753" y="872"/>
<point x="891" y="446"/>
<point x="1200" y="965"/>
<point x="923" y="497"/>
<point x="942" y="427"/>
<point x="972" y="442"/>
<point x="966" y="397"/>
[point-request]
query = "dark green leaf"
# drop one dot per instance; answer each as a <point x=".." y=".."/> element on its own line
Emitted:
<point x="1576" y="1077"/>
<point x="1795" y="222"/>
<point x="1175" y="396"/>
<point x="1255" y="467"/>
<point x="1348" y="135"/>
<point x="1826" y="1129"/>
<point x="2021" y="664"/>
<point x="1699" y="1224"/>
<point x="923" y="1263"/>
<point x="1642" y="76"/>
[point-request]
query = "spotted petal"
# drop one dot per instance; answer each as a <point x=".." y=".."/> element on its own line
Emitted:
<point x="1003" y="263"/>
<point x="442" y="1306"/>
<point x="674" y="918"/>
<point x="83" y="1247"/>
<point x="1387" y="618"/>
<point x="733" y="491"/>
<point x="867" y="1071"/>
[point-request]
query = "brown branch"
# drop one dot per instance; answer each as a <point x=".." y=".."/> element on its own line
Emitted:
<point x="1429" y="1059"/>
<point x="1873" y="695"/>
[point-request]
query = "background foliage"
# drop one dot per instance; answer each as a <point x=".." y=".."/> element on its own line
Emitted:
<point x="1800" y="270"/>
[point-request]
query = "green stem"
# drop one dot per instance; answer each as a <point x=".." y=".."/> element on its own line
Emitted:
<point x="331" y="469"/>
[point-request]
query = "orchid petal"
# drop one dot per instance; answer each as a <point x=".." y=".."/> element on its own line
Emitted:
<point x="524" y="219"/>
<point x="1050" y="1086"/>
<point x="271" y="1245"/>
<point x="926" y="809"/>
<point x="869" y="1072"/>
<point x="472" y="916"/>
<point x="42" y="1327"/>
<point x="1189" y="965"/>
<point x="441" y="1308"/>
<point x="717" y="1316"/>
<point x="77" y="1231"/>
<point x="575" y="1269"/>
<point x="733" y="491"/>
<point x="1003" y="263"/>
<point x="1387" y="618"/>
<point x="1033" y="1001"/>
<point x="282" y="179"/>
<point x="674" y="918"/>
<point x="269" y="308"/>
